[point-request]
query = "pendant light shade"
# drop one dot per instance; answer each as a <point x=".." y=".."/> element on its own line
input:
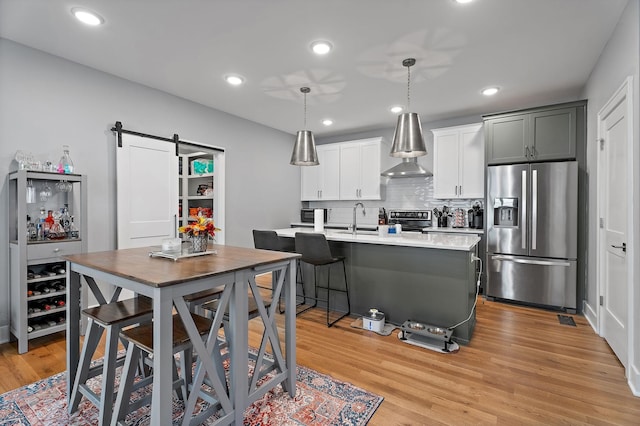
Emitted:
<point x="408" y="140"/>
<point x="304" y="150"/>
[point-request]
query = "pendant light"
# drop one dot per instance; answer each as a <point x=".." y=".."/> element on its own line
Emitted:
<point x="304" y="150"/>
<point x="407" y="139"/>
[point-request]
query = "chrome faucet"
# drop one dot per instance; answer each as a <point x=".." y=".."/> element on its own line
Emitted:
<point x="355" y="225"/>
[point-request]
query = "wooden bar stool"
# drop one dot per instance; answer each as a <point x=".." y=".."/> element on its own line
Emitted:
<point x="196" y="300"/>
<point x="252" y="312"/>
<point x="315" y="251"/>
<point x="113" y="318"/>
<point x="140" y="347"/>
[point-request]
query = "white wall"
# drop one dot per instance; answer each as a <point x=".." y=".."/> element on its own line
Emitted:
<point x="619" y="59"/>
<point x="46" y="102"/>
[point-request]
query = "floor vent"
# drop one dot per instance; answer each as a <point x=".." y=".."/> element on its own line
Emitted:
<point x="566" y="320"/>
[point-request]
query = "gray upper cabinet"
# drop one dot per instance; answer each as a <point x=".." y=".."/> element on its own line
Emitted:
<point x="506" y="139"/>
<point x="553" y="135"/>
<point x="540" y="134"/>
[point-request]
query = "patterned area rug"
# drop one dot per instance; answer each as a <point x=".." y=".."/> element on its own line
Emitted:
<point x="320" y="400"/>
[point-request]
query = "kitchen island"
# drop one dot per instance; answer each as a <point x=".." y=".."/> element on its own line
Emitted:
<point x="430" y="278"/>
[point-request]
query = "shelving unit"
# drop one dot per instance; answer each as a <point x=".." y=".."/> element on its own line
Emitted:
<point x="37" y="269"/>
<point x="196" y="189"/>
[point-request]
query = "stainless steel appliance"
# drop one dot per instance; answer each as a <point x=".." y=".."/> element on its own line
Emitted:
<point x="411" y="220"/>
<point x="532" y="214"/>
<point x="307" y="215"/>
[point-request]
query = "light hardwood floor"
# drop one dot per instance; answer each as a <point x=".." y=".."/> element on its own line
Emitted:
<point x="521" y="367"/>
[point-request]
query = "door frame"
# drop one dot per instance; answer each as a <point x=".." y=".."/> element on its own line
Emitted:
<point x="623" y="94"/>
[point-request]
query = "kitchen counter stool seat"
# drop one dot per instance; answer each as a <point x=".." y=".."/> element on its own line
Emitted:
<point x="140" y="348"/>
<point x="316" y="252"/>
<point x="113" y="318"/>
<point x="269" y="240"/>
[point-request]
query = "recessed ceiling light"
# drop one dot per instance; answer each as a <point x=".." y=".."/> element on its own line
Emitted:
<point x="327" y="122"/>
<point x="490" y="91"/>
<point x="396" y="109"/>
<point x="463" y="1"/>
<point x="234" y="79"/>
<point x="321" y="47"/>
<point x="87" y="17"/>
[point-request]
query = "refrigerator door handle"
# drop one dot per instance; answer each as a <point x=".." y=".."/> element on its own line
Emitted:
<point x="532" y="262"/>
<point x="534" y="209"/>
<point x="523" y="223"/>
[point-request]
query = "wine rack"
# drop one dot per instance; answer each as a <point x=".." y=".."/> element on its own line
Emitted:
<point x="38" y="276"/>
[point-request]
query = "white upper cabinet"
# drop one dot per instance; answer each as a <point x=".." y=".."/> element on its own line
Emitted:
<point x="360" y="169"/>
<point x="322" y="182"/>
<point x="347" y="171"/>
<point x="458" y="164"/>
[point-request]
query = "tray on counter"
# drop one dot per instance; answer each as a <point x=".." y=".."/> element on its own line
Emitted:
<point x="181" y="255"/>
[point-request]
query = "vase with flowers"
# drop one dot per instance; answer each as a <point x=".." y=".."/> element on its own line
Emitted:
<point x="199" y="232"/>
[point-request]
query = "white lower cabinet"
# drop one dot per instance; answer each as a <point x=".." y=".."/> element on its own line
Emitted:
<point x="458" y="163"/>
<point x="322" y="182"/>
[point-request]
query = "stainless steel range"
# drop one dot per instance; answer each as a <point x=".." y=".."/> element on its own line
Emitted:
<point x="411" y="220"/>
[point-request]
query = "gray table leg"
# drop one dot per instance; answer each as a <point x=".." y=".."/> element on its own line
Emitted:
<point x="290" y="327"/>
<point x="239" y="325"/>
<point x="161" y="402"/>
<point x="73" y="326"/>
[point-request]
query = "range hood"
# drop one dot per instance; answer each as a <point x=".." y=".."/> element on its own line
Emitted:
<point x="407" y="169"/>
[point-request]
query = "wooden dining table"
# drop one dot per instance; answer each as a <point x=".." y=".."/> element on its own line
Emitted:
<point x="167" y="282"/>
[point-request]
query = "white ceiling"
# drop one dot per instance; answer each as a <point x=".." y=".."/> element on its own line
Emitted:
<point x="537" y="51"/>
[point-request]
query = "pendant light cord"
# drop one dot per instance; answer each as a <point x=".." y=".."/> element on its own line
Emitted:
<point x="305" y="112"/>
<point x="408" y="88"/>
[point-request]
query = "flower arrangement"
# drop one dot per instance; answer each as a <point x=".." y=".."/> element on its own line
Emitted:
<point x="203" y="226"/>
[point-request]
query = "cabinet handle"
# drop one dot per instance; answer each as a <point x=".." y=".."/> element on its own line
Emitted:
<point x="456" y="189"/>
<point x="527" y="153"/>
<point x="460" y="190"/>
<point x="534" y="153"/>
<point x="55" y="250"/>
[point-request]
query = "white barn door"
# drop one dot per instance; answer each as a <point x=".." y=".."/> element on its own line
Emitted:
<point x="147" y="191"/>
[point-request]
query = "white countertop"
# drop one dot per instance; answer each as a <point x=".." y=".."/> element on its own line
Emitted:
<point x="455" y="230"/>
<point x="434" y="240"/>
<point x="330" y="225"/>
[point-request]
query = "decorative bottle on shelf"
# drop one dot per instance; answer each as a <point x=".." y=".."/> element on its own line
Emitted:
<point x="65" y="220"/>
<point x="73" y="230"/>
<point x="65" y="165"/>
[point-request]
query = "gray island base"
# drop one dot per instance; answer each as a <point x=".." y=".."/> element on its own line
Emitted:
<point x="427" y="278"/>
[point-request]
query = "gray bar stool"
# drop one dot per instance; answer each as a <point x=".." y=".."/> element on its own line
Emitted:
<point x="140" y="348"/>
<point x="113" y="318"/>
<point x="315" y="251"/>
<point x="269" y="240"/>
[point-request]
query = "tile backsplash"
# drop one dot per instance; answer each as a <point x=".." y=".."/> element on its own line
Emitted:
<point x="401" y="194"/>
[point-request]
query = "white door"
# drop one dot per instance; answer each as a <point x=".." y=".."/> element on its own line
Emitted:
<point x="147" y="191"/>
<point x="614" y="131"/>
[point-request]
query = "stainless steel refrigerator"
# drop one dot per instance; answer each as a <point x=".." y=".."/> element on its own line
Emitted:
<point x="532" y="215"/>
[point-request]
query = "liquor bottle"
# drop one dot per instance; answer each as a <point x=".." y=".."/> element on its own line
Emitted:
<point x="48" y="223"/>
<point x="73" y="230"/>
<point x="65" y="165"/>
<point x="32" y="231"/>
<point x="65" y="220"/>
